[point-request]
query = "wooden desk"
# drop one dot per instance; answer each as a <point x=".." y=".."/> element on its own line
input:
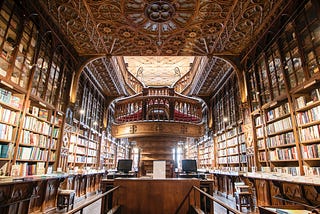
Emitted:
<point x="152" y="195"/>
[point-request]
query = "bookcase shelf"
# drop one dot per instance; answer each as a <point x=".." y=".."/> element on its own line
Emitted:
<point x="229" y="137"/>
<point x="205" y="156"/>
<point x="285" y="118"/>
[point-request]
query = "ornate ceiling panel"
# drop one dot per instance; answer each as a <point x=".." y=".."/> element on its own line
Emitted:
<point x="158" y="70"/>
<point x="162" y="27"/>
<point x="106" y="76"/>
<point x="215" y="69"/>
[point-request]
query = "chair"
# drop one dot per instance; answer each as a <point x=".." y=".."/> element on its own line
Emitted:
<point x="243" y="195"/>
<point x="66" y="198"/>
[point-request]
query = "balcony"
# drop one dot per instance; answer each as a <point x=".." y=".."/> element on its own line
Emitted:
<point x="158" y="112"/>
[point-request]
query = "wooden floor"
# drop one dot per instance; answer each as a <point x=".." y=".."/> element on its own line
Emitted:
<point x="95" y="208"/>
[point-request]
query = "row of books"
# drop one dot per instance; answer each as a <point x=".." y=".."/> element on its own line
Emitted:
<point x="25" y="169"/>
<point x="222" y="160"/>
<point x="279" y="125"/>
<point x="52" y="156"/>
<point x="222" y="153"/>
<point x="231" y="133"/>
<point x="243" y="148"/>
<point x="73" y="148"/>
<point x="34" y="139"/>
<point x="221" y="137"/>
<point x="6" y="132"/>
<point x="278" y="112"/>
<point x="9" y="116"/>
<point x="232" y="141"/>
<point x="92" y="145"/>
<point x="91" y="160"/>
<point x="302" y="101"/>
<point x="310" y="133"/>
<point x="233" y="159"/>
<point x="82" y="141"/>
<point x="279" y="140"/>
<point x="206" y="156"/>
<point x="11" y="99"/>
<point x="243" y="158"/>
<point x="260" y="133"/>
<point x="40" y="112"/>
<point x="33" y="124"/>
<point x="56" y="120"/>
<point x="283" y="154"/>
<point x="260" y="144"/>
<point x="233" y="151"/>
<point x="311" y="151"/>
<point x="262" y="156"/>
<point x="258" y="121"/>
<point x="80" y="150"/>
<point x="242" y="138"/>
<point x="53" y="143"/>
<point x="6" y="150"/>
<point x="310" y="171"/>
<point x="55" y="132"/>
<point x="205" y="162"/>
<point x="32" y="153"/>
<point x="308" y="116"/>
<point x="287" y="170"/>
<point x="222" y="145"/>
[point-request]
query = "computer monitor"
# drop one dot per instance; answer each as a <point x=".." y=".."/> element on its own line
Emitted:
<point x="124" y="165"/>
<point x="189" y="166"/>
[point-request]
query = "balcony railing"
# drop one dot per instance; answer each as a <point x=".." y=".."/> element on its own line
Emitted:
<point x="158" y="104"/>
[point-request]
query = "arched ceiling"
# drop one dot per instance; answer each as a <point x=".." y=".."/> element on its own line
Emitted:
<point x="163" y="28"/>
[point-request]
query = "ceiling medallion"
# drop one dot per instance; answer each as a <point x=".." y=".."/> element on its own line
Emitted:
<point x="159" y="11"/>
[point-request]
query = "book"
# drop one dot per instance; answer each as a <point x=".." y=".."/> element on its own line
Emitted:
<point x="4" y="151"/>
<point x="35" y="111"/>
<point x="40" y="170"/>
<point x="3" y="169"/>
<point x="15" y="170"/>
<point x="43" y="114"/>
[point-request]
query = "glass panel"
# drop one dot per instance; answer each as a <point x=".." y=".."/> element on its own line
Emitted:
<point x="264" y="82"/>
<point x="21" y="71"/>
<point x="293" y="66"/>
<point x="8" y="35"/>
<point x="41" y="74"/>
<point x="309" y="28"/>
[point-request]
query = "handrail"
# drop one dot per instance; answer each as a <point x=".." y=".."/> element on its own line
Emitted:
<point x="183" y="201"/>
<point x="89" y="202"/>
<point x="235" y="211"/>
<point x="155" y="108"/>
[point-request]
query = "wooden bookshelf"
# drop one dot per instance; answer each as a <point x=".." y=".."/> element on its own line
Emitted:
<point x="35" y="70"/>
<point x="283" y="81"/>
<point x="206" y="153"/>
<point x="10" y="113"/>
<point x="230" y="140"/>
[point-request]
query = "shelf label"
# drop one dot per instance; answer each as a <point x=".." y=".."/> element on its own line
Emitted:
<point x="42" y="104"/>
<point x="309" y="84"/>
<point x="6" y="84"/>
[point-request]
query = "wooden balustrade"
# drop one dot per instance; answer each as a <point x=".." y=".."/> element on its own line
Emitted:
<point x="158" y="108"/>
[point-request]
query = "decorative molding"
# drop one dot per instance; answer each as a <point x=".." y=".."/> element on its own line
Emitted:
<point x="156" y="129"/>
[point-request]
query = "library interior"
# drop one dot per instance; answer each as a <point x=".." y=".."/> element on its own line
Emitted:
<point x="159" y="106"/>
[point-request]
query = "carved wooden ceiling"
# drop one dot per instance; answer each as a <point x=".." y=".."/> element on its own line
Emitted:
<point x="164" y="28"/>
<point x="148" y="68"/>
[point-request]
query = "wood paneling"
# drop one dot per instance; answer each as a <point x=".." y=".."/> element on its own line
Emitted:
<point x="154" y="196"/>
